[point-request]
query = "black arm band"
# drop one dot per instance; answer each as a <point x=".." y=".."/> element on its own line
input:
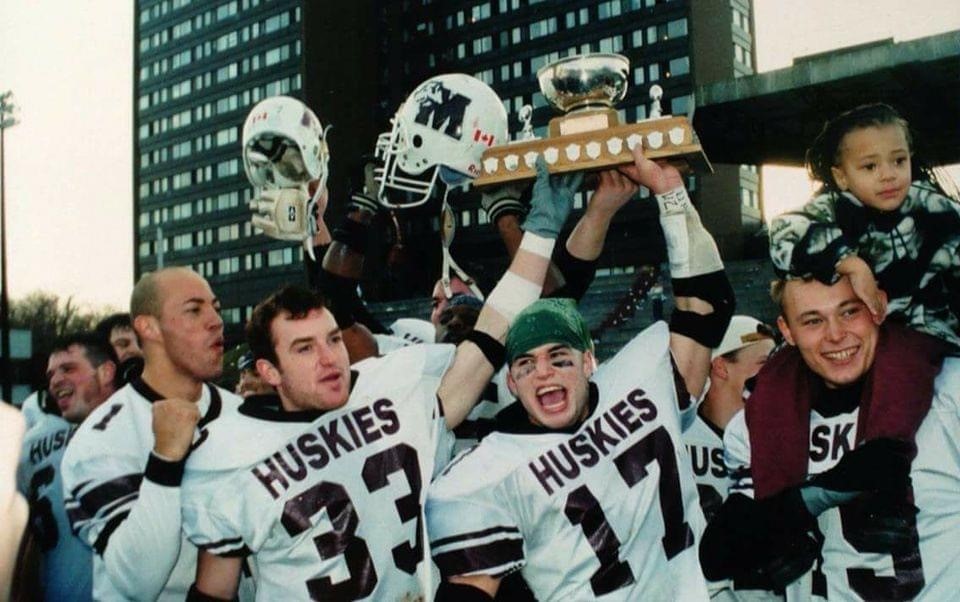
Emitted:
<point x="341" y="292"/>
<point x="715" y="289"/>
<point x="353" y="234"/>
<point x="577" y="273"/>
<point x="195" y="595"/>
<point x="164" y="472"/>
<point x="314" y="267"/>
<point x="491" y="348"/>
<point x="460" y="592"/>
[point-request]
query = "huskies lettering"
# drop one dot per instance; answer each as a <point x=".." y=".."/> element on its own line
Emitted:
<point x="830" y="441"/>
<point x="707" y="459"/>
<point x="441" y="109"/>
<point x="314" y="450"/>
<point x="598" y="438"/>
<point x="44" y="447"/>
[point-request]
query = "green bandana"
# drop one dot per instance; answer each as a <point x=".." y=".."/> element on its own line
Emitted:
<point x="547" y="321"/>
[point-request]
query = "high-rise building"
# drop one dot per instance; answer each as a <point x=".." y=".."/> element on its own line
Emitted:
<point x="201" y="64"/>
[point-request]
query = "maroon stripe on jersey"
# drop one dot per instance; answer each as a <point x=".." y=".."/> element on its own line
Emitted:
<point x="101" y="544"/>
<point x="472" y="535"/>
<point x="91" y="502"/>
<point x="233" y="547"/>
<point x="479" y="558"/>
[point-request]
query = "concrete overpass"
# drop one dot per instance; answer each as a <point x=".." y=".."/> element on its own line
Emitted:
<point x="773" y="116"/>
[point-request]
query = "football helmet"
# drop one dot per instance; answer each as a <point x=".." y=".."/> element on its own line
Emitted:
<point x="440" y="131"/>
<point x="284" y="144"/>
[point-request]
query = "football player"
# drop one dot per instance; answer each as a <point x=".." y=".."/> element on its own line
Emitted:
<point x="123" y="468"/>
<point x="326" y="496"/>
<point x="81" y="373"/>
<point x="733" y="366"/>
<point x="118" y="329"/>
<point x="585" y="487"/>
<point x="826" y="501"/>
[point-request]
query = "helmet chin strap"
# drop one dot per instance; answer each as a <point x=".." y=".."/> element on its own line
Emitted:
<point x="448" y="226"/>
<point x="312" y="223"/>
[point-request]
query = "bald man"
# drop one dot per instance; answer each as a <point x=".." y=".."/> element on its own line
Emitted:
<point x="122" y="471"/>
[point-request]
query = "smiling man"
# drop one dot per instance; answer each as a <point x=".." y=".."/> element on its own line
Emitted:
<point x="80" y="373"/>
<point x="122" y="471"/>
<point x="826" y="486"/>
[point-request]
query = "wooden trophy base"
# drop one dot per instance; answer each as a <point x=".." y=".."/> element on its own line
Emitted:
<point x="591" y="141"/>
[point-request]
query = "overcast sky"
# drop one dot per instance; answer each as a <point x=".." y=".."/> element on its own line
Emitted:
<point x="68" y="164"/>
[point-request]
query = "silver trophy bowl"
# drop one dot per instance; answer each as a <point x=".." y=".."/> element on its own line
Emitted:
<point x="585" y="81"/>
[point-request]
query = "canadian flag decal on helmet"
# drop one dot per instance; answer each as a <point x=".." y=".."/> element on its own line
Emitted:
<point x="441" y="110"/>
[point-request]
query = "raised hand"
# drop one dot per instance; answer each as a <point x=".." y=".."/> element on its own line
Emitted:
<point x="864" y="285"/>
<point x="614" y="189"/>
<point x="551" y="201"/>
<point x="658" y="177"/>
<point x="174" y="423"/>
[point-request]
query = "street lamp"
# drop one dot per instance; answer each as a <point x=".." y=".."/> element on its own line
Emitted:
<point x="8" y="118"/>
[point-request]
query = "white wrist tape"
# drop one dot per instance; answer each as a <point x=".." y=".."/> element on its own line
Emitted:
<point x="678" y="243"/>
<point x="512" y="295"/>
<point x="538" y="245"/>
<point x="674" y="201"/>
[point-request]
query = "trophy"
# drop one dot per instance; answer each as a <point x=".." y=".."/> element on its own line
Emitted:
<point x="589" y="135"/>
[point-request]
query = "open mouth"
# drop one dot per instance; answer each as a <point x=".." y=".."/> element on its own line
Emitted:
<point x="552" y="398"/>
<point x="63" y="397"/>
<point x="841" y="355"/>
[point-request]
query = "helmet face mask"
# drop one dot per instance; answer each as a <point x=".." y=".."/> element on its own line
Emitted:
<point x="284" y="145"/>
<point x="440" y="131"/>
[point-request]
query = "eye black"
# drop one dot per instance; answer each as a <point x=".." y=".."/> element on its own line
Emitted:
<point x="417" y="141"/>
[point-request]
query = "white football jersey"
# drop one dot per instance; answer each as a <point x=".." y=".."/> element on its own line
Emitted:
<point x="704" y="442"/>
<point x="67" y="571"/>
<point x="103" y="481"/>
<point x="608" y="511"/>
<point x="404" y="332"/>
<point x="929" y="571"/>
<point x="329" y="509"/>
<point x="32" y="412"/>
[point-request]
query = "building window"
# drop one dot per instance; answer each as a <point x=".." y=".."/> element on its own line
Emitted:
<point x="681" y="105"/>
<point x="486" y="76"/>
<point x="480" y="12"/>
<point x="679" y="66"/>
<point x="666" y="31"/>
<point x="653" y="72"/>
<point x="543" y="27"/>
<point x="608" y="9"/>
<point x="481" y="45"/>
<point x="226" y="136"/>
<point x="611" y="44"/>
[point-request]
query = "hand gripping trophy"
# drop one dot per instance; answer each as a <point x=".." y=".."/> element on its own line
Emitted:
<point x="438" y="136"/>
<point x="285" y="157"/>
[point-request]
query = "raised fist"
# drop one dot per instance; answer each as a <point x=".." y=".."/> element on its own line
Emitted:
<point x="174" y="422"/>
